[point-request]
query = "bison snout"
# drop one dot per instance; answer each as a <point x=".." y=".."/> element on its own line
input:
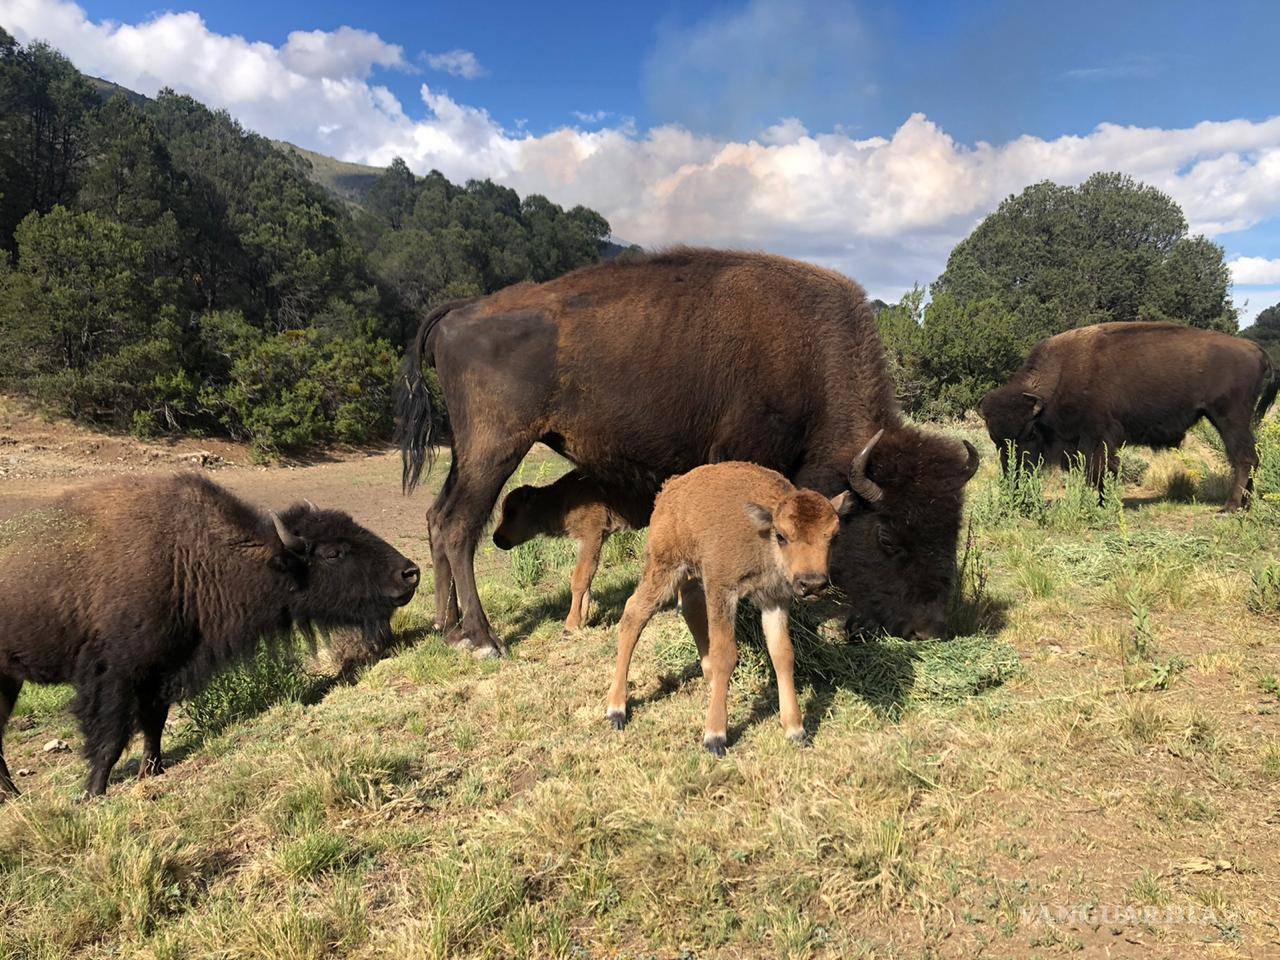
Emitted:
<point x="810" y="585"/>
<point x="412" y="574"/>
<point x="502" y="541"/>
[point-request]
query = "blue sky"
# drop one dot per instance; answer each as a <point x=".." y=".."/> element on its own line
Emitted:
<point x="866" y="135"/>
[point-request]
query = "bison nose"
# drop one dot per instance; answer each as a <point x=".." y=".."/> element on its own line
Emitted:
<point x="501" y="541"/>
<point x="811" y="584"/>
<point x="412" y="574"/>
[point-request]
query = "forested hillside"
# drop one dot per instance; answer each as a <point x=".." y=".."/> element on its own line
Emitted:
<point x="165" y="270"/>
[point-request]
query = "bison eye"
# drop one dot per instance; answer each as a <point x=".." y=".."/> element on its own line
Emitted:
<point x="886" y="541"/>
<point x="331" y="552"/>
<point x="782" y="541"/>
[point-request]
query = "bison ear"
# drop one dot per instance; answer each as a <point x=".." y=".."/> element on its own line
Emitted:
<point x="759" y="517"/>
<point x="1037" y="404"/>
<point x="844" y="504"/>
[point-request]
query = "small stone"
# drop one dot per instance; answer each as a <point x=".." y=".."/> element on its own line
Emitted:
<point x="55" y="746"/>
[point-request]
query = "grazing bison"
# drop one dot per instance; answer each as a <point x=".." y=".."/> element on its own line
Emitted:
<point x="1089" y="390"/>
<point x="637" y="371"/>
<point x="136" y="592"/>
<point x="574" y="506"/>
<point x="721" y="533"/>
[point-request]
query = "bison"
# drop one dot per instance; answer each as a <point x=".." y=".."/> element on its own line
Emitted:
<point x="574" y="506"/>
<point x="137" y="592"/>
<point x="1090" y="390"/>
<point x="722" y="533"/>
<point x="641" y="370"/>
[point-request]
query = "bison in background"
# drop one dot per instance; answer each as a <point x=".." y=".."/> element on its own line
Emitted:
<point x="1090" y="390"/>
<point x="640" y="370"/>
<point x="136" y="592"/>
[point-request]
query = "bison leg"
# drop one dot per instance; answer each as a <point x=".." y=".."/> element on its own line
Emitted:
<point x="1242" y="452"/>
<point x="693" y="607"/>
<point x="722" y="657"/>
<point x="106" y="707"/>
<point x="583" y="573"/>
<point x="466" y="507"/>
<point x="153" y="710"/>
<point x="9" y="689"/>
<point x="778" y="639"/>
<point x="447" y="613"/>
<point x="654" y="590"/>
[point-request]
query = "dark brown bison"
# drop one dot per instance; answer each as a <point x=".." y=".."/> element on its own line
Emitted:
<point x="1087" y="391"/>
<point x="136" y="592"/>
<point x="574" y="506"/>
<point x="642" y="370"/>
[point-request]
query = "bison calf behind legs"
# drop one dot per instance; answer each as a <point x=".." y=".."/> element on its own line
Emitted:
<point x="719" y="534"/>
<point x="574" y="506"/>
<point x="137" y="592"/>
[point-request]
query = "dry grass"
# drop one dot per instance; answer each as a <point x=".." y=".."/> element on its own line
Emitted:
<point x="1106" y="734"/>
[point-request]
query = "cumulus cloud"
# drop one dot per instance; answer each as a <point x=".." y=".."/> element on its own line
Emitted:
<point x="459" y="63"/>
<point x="345" y="52"/>
<point x="1255" y="271"/>
<point x="886" y="210"/>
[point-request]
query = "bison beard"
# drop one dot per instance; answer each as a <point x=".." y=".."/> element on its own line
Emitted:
<point x="642" y="370"/>
<point x="137" y="593"/>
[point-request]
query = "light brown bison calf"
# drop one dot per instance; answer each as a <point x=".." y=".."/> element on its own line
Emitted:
<point x="719" y="534"/>
<point x="574" y="506"/>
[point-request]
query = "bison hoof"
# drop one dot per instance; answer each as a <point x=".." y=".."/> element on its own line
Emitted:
<point x="800" y="738"/>
<point x="715" y="743"/>
<point x="150" y="767"/>
<point x="617" y="717"/>
<point x="486" y="652"/>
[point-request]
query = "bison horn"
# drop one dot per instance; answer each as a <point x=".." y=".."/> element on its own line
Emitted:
<point x="863" y="485"/>
<point x="291" y="542"/>
<point x="310" y="506"/>
<point x="971" y="467"/>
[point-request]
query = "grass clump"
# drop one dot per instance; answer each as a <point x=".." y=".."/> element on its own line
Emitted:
<point x="1263" y="597"/>
<point x="274" y="674"/>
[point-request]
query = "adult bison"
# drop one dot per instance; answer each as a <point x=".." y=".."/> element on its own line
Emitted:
<point x="136" y="592"/>
<point x="1087" y="391"/>
<point x="637" y="371"/>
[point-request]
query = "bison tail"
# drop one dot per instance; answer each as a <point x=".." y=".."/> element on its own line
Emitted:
<point x="420" y="418"/>
<point x="1270" y="387"/>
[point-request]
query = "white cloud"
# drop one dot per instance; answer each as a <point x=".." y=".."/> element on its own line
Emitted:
<point x="345" y="52"/>
<point x="459" y="63"/>
<point x="1254" y="271"/>
<point x="1134" y="67"/>
<point x="594" y="116"/>
<point x="886" y="210"/>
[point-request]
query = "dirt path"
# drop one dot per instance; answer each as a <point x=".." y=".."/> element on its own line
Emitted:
<point x="41" y="459"/>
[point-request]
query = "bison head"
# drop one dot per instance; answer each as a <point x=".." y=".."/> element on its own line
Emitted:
<point x="1014" y="419"/>
<point x="895" y="558"/>
<point x="801" y="526"/>
<point x="343" y="575"/>
<point x="521" y="513"/>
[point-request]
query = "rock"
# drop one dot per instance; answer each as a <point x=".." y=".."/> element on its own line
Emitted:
<point x="55" y="746"/>
<point x="24" y="772"/>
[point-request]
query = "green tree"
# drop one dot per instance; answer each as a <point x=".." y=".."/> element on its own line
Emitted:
<point x="1265" y="330"/>
<point x="44" y="105"/>
<point x="1110" y="249"/>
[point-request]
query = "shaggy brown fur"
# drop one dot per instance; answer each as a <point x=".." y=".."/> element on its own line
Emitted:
<point x="577" y="507"/>
<point x="642" y="370"/>
<point x="137" y="591"/>
<point x="719" y="534"/>
<point x="1090" y="390"/>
